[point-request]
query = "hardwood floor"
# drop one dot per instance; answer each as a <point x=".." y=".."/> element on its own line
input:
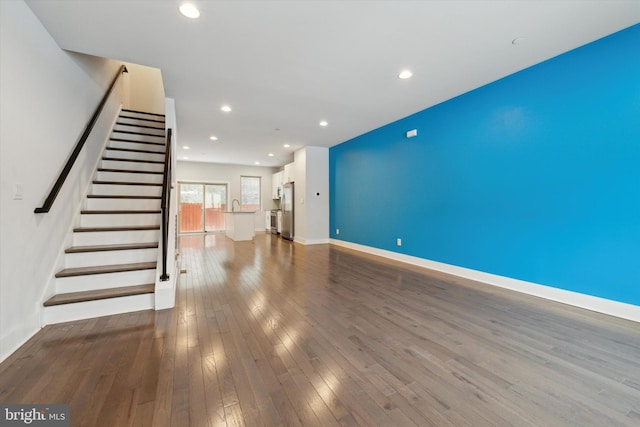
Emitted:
<point x="274" y="333"/>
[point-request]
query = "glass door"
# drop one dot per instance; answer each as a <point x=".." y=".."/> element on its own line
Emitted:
<point x="215" y="205"/>
<point x="201" y="207"/>
<point x="190" y="208"/>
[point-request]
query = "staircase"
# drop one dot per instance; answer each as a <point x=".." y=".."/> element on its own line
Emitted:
<point x="111" y="266"/>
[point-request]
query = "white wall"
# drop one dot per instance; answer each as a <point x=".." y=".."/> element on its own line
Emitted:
<point x="101" y="71"/>
<point x="214" y="172"/>
<point x="299" y="190"/>
<point x="312" y="195"/>
<point x="146" y="89"/>
<point x="317" y="197"/>
<point x="46" y="99"/>
<point x="141" y="89"/>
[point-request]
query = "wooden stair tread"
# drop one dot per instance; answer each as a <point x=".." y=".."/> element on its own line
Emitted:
<point x="119" y="211"/>
<point x="129" y="171"/>
<point x="140" y="126"/>
<point x="133" y="150"/>
<point x="106" y="248"/>
<point x="133" y="141"/>
<point x="128" y="228"/>
<point x="120" y="159"/>
<point x="141" y="118"/>
<point x="151" y="184"/>
<point x="142" y="112"/>
<point x="104" y="269"/>
<point x="120" y="196"/>
<point x="99" y="294"/>
<point x="130" y="132"/>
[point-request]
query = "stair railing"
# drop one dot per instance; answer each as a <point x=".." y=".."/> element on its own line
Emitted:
<point x="165" y="205"/>
<point x="46" y="206"/>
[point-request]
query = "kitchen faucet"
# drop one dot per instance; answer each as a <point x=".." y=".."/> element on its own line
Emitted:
<point x="233" y="206"/>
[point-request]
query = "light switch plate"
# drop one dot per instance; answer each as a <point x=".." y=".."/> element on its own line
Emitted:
<point x="17" y="192"/>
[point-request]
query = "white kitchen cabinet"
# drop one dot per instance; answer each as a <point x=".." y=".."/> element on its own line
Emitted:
<point x="276" y="185"/>
<point x="289" y="173"/>
<point x="240" y="225"/>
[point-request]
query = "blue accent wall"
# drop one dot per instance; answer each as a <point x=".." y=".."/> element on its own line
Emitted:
<point x="535" y="176"/>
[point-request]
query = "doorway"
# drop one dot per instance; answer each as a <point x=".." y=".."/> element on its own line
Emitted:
<point x="202" y="207"/>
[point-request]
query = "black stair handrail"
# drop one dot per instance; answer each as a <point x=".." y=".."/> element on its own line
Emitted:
<point x="46" y="206"/>
<point x="165" y="206"/>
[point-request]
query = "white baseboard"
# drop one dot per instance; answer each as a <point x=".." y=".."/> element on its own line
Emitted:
<point x="17" y="337"/>
<point x="304" y="241"/>
<point x="589" y="302"/>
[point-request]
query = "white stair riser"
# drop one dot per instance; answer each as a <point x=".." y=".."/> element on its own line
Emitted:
<point x="127" y="128"/>
<point x="129" y="177"/>
<point x="104" y="307"/>
<point x="93" y="282"/>
<point x="126" y="190"/>
<point x="155" y="157"/>
<point x="87" y="259"/>
<point x="129" y="204"/>
<point x="136" y="137"/>
<point x="137" y="145"/>
<point x="155" y="122"/>
<point x="117" y="220"/>
<point x="117" y="164"/>
<point x="115" y="237"/>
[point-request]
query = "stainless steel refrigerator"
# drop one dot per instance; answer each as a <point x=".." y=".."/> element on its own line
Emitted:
<point x="286" y="204"/>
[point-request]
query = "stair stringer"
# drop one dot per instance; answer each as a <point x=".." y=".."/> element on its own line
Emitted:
<point x="49" y="289"/>
<point x="108" y="306"/>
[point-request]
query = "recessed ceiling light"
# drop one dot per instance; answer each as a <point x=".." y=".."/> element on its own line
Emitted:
<point x="189" y="10"/>
<point x="270" y="154"/>
<point x="324" y="123"/>
<point x="257" y="163"/>
<point x="405" y="74"/>
<point x="225" y="108"/>
<point x="213" y="138"/>
<point x="185" y="158"/>
<point x="517" y="40"/>
<point x="186" y="147"/>
<point x="286" y="145"/>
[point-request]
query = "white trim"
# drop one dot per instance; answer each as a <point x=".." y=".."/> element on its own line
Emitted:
<point x="304" y="241"/>
<point x="97" y="308"/>
<point x="589" y="302"/>
<point x="16" y="338"/>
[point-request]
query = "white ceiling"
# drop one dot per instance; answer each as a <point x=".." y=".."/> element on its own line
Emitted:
<point x="286" y="65"/>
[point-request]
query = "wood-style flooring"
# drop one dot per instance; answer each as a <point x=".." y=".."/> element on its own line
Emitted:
<point x="279" y="334"/>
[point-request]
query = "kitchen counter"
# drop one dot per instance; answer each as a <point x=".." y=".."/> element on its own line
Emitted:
<point x="240" y="225"/>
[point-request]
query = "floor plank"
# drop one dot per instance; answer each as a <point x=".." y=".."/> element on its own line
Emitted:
<point x="274" y="333"/>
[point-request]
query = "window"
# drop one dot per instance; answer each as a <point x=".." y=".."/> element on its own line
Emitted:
<point x="250" y="193"/>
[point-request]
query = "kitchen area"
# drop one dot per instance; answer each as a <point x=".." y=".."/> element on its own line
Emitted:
<point x="280" y="220"/>
<point x="239" y="201"/>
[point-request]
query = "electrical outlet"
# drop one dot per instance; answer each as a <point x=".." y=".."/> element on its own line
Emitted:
<point x="337" y="231"/>
<point x="398" y="242"/>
